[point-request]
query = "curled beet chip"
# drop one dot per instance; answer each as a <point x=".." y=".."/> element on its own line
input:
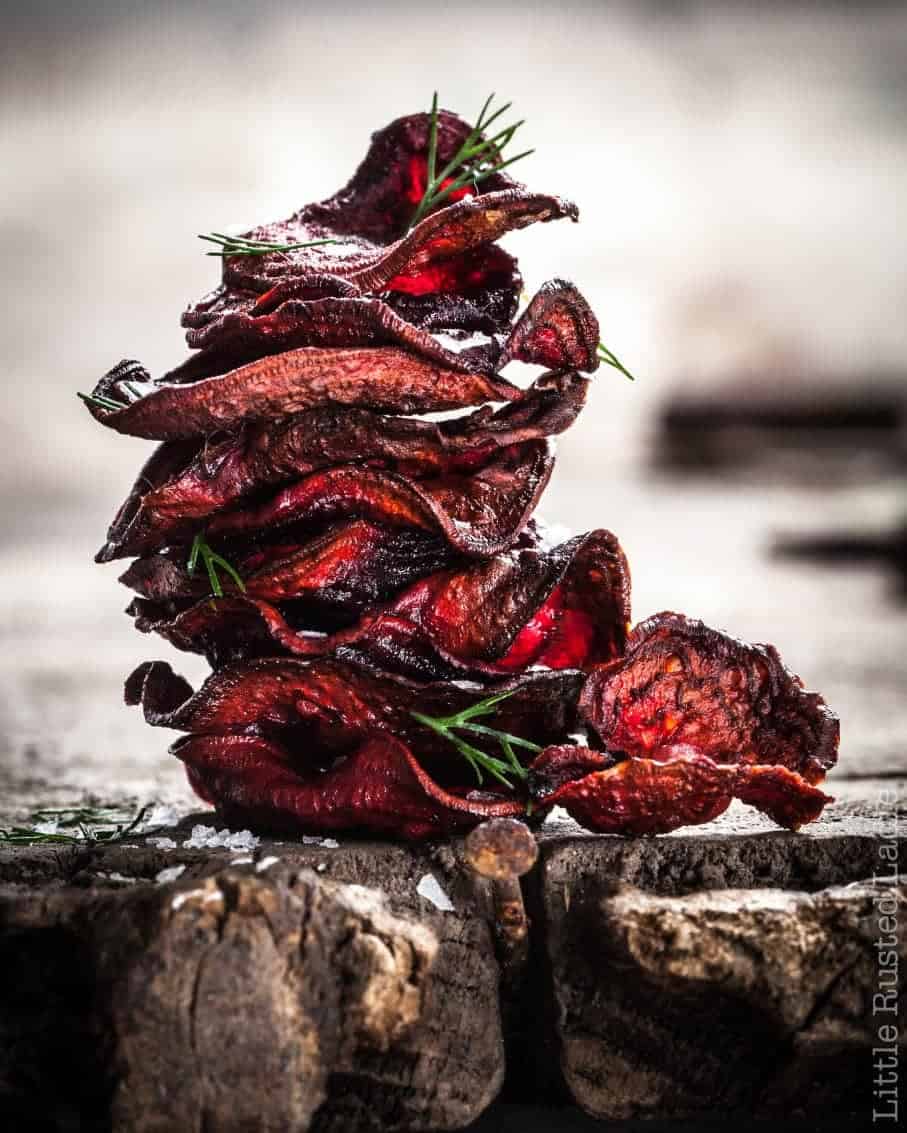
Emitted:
<point x="243" y="335"/>
<point x="480" y="296"/>
<point x="371" y="217"/>
<point x="683" y="683"/>
<point x="326" y="703"/>
<point x="291" y="745"/>
<point x="442" y="274"/>
<point x="566" y="608"/>
<point x="557" y="330"/>
<point x="477" y="513"/>
<point x="685" y="787"/>
<point x="432" y="257"/>
<point x="480" y="300"/>
<point x="378" y="786"/>
<point x="186" y="482"/>
<point x="381" y="197"/>
<point x="691" y="718"/>
<point x="349" y="566"/>
<point x="384" y="378"/>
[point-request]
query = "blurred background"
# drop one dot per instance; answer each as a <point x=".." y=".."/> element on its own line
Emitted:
<point x="741" y="172"/>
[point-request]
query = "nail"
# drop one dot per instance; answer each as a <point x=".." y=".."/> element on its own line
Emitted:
<point x="502" y="850"/>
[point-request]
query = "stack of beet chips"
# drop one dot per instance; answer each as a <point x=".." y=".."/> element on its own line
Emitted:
<point x="368" y="583"/>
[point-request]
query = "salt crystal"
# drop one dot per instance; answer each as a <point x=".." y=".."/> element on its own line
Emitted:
<point x="266" y="863"/>
<point x="162" y="843"/>
<point x="207" y="838"/>
<point x="50" y="827"/>
<point x="321" y="867"/>
<point x="160" y="815"/>
<point x="244" y="860"/>
<point x="430" y="889"/>
<point x="330" y="843"/>
<point x="171" y="873"/>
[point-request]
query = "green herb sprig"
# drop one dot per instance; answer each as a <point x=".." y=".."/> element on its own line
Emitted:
<point x="476" y="159"/>
<point x="102" y="402"/>
<point x="611" y="359"/>
<point x="212" y="562"/>
<point x="479" y="761"/>
<point x="241" y="246"/>
<point x="76" y="825"/>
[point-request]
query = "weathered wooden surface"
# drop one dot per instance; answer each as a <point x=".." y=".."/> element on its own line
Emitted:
<point x="254" y="997"/>
<point x="716" y="969"/>
<point x="708" y="972"/>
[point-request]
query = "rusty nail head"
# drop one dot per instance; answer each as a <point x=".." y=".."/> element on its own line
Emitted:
<point x="501" y="849"/>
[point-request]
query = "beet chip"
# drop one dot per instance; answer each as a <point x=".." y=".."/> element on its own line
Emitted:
<point x="371" y="214"/>
<point x="186" y="482"/>
<point x="379" y="786"/>
<point x="341" y="571"/>
<point x="478" y="513"/>
<point x="385" y="378"/>
<point x="691" y="718"/>
<point x="291" y="746"/>
<point x="567" y="608"/>
<point x="557" y="330"/>
<point x="683" y="683"/>
<point x="261" y="329"/>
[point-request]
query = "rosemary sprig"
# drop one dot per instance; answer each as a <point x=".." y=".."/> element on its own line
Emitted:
<point x="476" y="159"/>
<point x="80" y="825"/>
<point x="240" y="246"/>
<point x="610" y="359"/>
<point x="478" y="760"/>
<point x="103" y="402"/>
<point x="212" y="561"/>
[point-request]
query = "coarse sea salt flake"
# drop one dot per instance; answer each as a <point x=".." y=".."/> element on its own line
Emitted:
<point x="160" y="815"/>
<point x="266" y="863"/>
<point x="430" y="889"/>
<point x="162" y="843"/>
<point x="207" y="838"/>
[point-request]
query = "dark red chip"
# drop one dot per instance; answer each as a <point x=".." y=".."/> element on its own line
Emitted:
<point x="557" y="330"/>
<point x="567" y="608"/>
<point x="682" y="683"/>
<point x="385" y="378"/>
<point x="186" y="482"/>
<point x="287" y="745"/>
<point x="689" y="719"/>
